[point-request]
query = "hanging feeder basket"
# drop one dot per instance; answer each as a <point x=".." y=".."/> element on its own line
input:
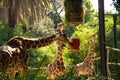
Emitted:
<point x="74" y="11"/>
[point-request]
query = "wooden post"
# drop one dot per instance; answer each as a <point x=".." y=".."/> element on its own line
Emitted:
<point x="102" y="39"/>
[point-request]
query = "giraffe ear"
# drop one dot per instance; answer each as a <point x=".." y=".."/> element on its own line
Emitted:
<point x="60" y="26"/>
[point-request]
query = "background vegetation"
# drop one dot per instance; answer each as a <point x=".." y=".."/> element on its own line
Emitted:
<point x="41" y="57"/>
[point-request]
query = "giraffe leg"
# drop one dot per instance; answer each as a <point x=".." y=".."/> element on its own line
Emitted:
<point x="89" y="78"/>
<point x="90" y="73"/>
<point x="93" y="71"/>
<point x="11" y="75"/>
<point x="22" y="70"/>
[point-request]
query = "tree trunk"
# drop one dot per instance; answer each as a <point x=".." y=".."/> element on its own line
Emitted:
<point x="11" y="19"/>
<point x="12" y="13"/>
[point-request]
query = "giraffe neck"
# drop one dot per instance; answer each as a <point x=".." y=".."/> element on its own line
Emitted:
<point x="29" y="43"/>
<point x="91" y="48"/>
<point x="59" y="54"/>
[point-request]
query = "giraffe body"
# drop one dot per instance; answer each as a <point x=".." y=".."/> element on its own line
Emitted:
<point x="86" y="67"/>
<point x="12" y="61"/>
<point x="14" y="57"/>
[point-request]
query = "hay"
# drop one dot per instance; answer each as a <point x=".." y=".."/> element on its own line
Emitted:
<point x="74" y="11"/>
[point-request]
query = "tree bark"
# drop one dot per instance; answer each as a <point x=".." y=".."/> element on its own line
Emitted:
<point x="12" y="13"/>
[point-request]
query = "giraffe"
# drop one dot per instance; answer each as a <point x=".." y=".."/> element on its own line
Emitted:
<point x="86" y="67"/>
<point x="57" y="67"/>
<point x="14" y="57"/>
<point x="11" y="61"/>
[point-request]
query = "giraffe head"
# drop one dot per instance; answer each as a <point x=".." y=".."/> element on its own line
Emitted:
<point x="92" y="38"/>
<point x="61" y="37"/>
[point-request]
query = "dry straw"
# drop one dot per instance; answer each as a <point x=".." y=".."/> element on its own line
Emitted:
<point x="74" y="11"/>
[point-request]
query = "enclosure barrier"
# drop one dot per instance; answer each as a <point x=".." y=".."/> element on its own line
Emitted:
<point x="111" y="63"/>
<point x="98" y="58"/>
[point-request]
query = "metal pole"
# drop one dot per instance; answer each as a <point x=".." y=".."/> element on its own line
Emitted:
<point x="115" y="30"/>
<point x="102" y="39"/>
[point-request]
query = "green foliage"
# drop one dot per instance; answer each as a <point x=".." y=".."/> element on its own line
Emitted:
<point x="89" y="14"/>
<point x="114" y="56"/>
<point x="69" y="30"/>
<point x="117" y="4"/>
<point x="83" y="32"/>
<point x="44" y="28"/>
<point x="5" y="33"/>
<point x="37" y="54"/>
<point x="109" y="31"/>
<point x="55" y="17"/>
<point x="18" y="30"/>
